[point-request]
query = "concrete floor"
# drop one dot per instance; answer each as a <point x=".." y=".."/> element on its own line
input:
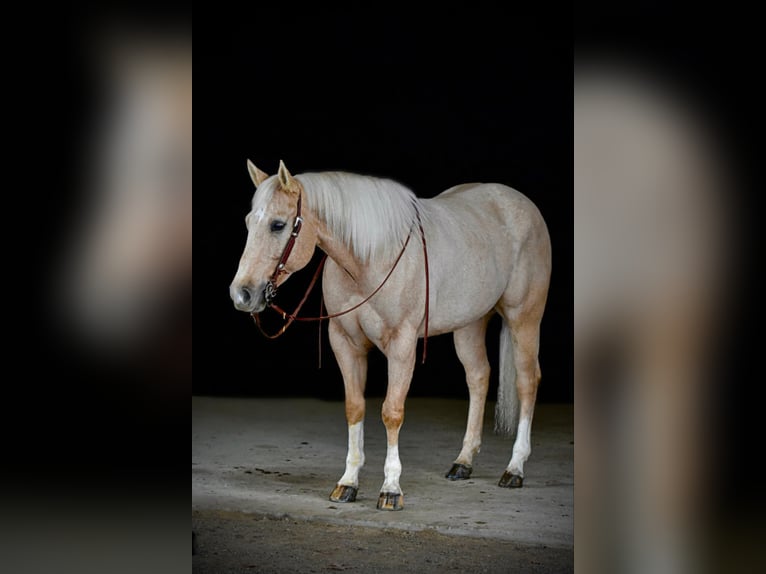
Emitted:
<point x="280" y="458"/>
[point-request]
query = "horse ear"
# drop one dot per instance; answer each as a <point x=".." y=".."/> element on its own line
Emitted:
<point x="256" y="174"/>
<point x="286" y="180"/>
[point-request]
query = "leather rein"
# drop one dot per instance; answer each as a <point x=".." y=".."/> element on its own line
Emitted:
<point x="270" y="292"/>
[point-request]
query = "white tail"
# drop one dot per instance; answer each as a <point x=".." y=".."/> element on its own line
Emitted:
<point x="507" y="408"/>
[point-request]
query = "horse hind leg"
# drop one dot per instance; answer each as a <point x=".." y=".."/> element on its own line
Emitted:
<point x="524" y="340"/>
<point x="470" y="344"/>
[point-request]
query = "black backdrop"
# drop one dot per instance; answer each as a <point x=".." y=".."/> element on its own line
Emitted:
<point x="478" y="100"/>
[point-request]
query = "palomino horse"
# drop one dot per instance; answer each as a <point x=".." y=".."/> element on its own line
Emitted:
<point x="489" y="252"/>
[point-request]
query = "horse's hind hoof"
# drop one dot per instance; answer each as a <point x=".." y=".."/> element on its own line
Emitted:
<point x="390" y="501"/>
<point x="344" y="493"/>
<point x="509" y="480"/>
<point x="459" y="472"/>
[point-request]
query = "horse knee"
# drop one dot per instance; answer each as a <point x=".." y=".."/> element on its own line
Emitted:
<point x="354" y="412"/>
<point x="392" y="415"/>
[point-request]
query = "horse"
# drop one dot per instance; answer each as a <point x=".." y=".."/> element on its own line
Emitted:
<point x="479" y="249"/>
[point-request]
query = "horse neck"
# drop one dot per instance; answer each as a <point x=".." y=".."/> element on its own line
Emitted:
<point x="338" y="251"/>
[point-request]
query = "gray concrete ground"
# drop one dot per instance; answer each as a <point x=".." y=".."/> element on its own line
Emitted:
<point x="280" y="458"/>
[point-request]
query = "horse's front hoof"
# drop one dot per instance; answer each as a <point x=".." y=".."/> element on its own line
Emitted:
<point x="390" y="501"/>
<point x="344" y="493"/>
<point x="459" y="472"/>
<point x="509" y="480"/>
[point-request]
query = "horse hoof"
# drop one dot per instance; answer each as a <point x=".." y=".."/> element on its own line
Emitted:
<point x="509" y="480"/>
<point x="343" y="493"/>
<point x="390" y="501"/>
<point x="459" y="472"/>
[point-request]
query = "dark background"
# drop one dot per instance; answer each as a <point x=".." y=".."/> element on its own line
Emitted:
<point x="477" y="98"/>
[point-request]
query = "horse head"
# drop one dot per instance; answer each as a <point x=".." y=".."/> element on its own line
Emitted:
<point x="280" y="240"/>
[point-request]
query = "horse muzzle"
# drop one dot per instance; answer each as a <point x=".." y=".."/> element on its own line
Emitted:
<point x="248" y="298"/>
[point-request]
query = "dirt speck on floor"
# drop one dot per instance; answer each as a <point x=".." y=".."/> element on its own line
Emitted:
<point x="253" y="543"/>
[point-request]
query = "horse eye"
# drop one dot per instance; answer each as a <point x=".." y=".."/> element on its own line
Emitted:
<point x="277" y="226"/>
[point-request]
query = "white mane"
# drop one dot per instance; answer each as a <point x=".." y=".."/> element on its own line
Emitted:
<point x="372" y="216"/>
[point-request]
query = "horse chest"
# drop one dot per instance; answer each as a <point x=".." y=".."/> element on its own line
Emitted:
<point x="377" y="328"/>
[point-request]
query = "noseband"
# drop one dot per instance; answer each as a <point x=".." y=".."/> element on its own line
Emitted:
<point x="270" y="291"/>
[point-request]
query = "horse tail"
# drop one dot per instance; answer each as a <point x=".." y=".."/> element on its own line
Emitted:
<point x="507" y="408"/>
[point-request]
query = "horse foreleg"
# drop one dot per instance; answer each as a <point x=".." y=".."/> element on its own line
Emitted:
<point x="352" y="359"/>
<point x="472" y="352"/>
<point x="401" y="363"/>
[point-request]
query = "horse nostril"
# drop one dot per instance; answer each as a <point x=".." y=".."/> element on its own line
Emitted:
<point x="246" y="297"/>
<point x="245" y="294"/>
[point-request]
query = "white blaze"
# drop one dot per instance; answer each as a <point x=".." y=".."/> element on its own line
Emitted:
<point x="259" y="213"/>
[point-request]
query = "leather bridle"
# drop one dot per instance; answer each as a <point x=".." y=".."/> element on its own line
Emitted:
<point x="270" y="291"/>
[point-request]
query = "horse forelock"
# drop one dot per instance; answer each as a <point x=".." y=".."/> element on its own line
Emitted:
<point x="264" y="194"/>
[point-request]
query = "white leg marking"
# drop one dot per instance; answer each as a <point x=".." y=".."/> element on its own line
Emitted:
<point x="472" y="439"/>
<point x="521" y="448"/>
<point x="355" y="457"/>
<point x="392" y="470"/>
